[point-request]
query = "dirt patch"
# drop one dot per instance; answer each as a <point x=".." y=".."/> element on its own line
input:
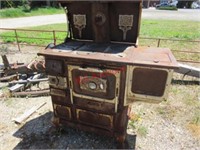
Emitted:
<point x="168" y="125"/>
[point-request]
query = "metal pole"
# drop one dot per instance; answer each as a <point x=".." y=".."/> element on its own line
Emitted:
<point x="17" y="40"/>
<point x="54" y="37"/>
<point x="158" y="43"/>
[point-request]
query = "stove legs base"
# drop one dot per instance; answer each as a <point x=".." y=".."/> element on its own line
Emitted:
<point x="122" y="142"/>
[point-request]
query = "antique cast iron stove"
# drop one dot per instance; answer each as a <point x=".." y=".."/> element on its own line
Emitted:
<point x="99" y="71"/>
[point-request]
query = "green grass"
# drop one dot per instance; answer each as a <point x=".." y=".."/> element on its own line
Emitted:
<point x="60" y="36"/>
<point x="21" y="12"/>
<point x="142" y="131"/>
<point x="188" y="30"/>
<point x="185" y="30"/>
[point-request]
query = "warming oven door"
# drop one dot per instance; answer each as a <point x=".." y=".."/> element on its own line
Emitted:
<point x="148" y="84"/>
<point x="94" y="84"/>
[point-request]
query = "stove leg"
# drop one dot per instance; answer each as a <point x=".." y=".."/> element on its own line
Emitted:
<point x="122" y="142"/>
<point x="55" y="121"/>
<point x="57" y="128"/>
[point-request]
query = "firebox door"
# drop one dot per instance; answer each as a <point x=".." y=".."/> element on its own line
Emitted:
<point x="94" y="84"/>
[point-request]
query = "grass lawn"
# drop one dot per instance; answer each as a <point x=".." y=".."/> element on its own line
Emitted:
<point x="185" y="30"/>
<point x="170" y="29"/>
<point x="149" y="28"/>
<point x="19" y="12"/>
<point x="49" y="35"/>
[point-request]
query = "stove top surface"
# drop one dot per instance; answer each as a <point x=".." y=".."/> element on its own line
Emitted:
<point x="113" y="52"/>
<point x="90" y="47"/>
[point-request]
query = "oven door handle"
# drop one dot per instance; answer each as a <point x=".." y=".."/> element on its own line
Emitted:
<point x="91" y="70"/>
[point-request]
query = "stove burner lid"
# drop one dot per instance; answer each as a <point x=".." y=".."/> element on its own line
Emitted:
<point x="90" y="48"/>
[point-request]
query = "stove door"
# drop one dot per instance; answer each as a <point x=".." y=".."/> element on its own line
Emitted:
<point x="94" y="84"/>
<point x="147" y="84"/>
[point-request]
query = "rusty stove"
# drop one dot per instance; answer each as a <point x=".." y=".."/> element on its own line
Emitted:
<point x="99" y="71"/>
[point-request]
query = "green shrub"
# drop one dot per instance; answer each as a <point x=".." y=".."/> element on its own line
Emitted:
<point x="167" y="8"/>
<point x="25" y="11"/>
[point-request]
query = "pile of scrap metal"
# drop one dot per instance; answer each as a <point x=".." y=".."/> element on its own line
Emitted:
<point x="22" y="77"/>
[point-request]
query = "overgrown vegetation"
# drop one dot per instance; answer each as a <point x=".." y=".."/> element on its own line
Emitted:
<point x="26" y="12"/>
<point x="136" y="124"/>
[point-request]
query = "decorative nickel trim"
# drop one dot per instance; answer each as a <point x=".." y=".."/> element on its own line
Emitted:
<point x="79" y="23"/>
<point x="58" y="82"/>
<point x="125" y="24"/>
<point x="101" y="84"/>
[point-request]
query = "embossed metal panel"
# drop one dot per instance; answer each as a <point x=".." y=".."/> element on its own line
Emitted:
<point x="58" y="82"/>
<point x="147" y="84"/>
<point x="149" y="81"/>
<point x="62" y="111"/>
<point x="107" y="108"/>
<point x="95" y="119"/>
<point x="80" y="21"/>
<point x="61" y="100"/>
<point x="125" y="20"/>
<point x="54" y="66"/>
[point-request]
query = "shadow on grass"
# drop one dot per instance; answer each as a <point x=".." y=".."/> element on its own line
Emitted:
<point x="39" y="133"/>
<point x="185" y="82"/>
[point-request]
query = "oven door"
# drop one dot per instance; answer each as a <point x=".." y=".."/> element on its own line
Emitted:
<point x="148" y="84"/>
<point x="95" y="84"/>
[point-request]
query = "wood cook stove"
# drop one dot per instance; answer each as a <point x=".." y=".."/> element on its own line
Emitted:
<point x="99" y="71"/>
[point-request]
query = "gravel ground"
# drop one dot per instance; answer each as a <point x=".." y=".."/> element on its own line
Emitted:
<point x="173" y="124"/>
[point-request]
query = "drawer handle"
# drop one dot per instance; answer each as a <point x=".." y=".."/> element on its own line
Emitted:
<point x="94" y="104"/>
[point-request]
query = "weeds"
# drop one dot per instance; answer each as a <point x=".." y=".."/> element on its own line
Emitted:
<point x="3" y="49"/>
<point x="142" y="131"/>
<point x="6" y="96"/>
<point x="6" y="92"/>
<point x="196" y="118"/>
<point x="135" y="124"/>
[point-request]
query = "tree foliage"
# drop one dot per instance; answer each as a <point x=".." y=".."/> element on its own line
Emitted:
<point x="185" y="4"/>
<point x="27" y="4"/>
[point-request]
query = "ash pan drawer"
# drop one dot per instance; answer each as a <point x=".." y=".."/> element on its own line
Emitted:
<point x="94" y="119"/>
<point x="104" y="107"/>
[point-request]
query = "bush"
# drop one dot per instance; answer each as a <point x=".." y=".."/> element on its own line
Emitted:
<point x="25" y="11"/>
<point x="27" y="4"/>
<point x="167" y="8"/>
